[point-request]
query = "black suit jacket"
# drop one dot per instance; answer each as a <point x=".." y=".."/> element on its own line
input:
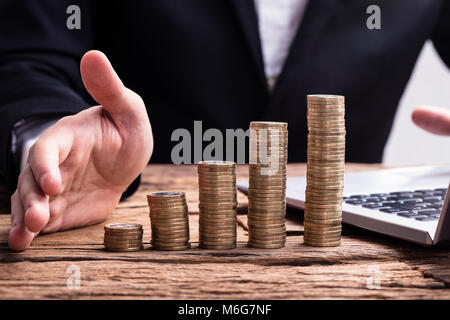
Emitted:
<point x="201" y="60"/>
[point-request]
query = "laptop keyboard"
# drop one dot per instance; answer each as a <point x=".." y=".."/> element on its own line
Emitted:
<point x="422" y="205"/>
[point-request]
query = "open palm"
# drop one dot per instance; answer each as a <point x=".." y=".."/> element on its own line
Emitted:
<point x="79" y="168"/>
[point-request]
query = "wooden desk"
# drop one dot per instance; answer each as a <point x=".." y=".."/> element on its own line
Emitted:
<point x="404" y="270"/>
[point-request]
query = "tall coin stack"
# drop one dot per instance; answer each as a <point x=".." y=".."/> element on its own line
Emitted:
<point x="123" y="237"/>
<point x="169" y="220"/>
<point x="217" y="204"/>
<point x="267" y="185"/>
<point x="325" y="170"/>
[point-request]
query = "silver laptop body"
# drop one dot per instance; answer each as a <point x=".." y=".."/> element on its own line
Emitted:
<point x="421" y="190"/>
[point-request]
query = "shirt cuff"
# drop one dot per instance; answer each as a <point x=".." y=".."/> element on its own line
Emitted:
<point x="24" y="135"/>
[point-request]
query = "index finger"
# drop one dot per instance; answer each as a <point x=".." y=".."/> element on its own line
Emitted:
<point x="46" y="154"/>
<point x="435" y="120"/>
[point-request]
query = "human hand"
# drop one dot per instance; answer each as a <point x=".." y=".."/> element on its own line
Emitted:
<point x="79" y="168"/>
<point x="435" y="120"/>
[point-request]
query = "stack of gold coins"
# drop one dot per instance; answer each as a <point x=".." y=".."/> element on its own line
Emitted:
<point x="169" y="220"/>
<point x="267" y="185"/>
<point x="217" y="204"/>
<point x="123" y="237"/>
<point x="325" y="170"/>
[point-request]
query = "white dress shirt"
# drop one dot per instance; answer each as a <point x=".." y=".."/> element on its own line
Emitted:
<point x="24" y="135"/>
<point x="278" y="22"/>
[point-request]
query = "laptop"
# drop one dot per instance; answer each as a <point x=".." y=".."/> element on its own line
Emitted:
<point x="409" y="203"/>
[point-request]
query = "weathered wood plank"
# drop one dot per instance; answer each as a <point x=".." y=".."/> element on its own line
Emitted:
<point x="404" y="270"/>
<point x="220" y="280"/>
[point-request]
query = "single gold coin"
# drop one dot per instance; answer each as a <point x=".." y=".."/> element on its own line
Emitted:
<point x="171" y="248"/>
<point x="122" y="227"/>
<point x="266" y="246"/>
<point x="113" y="249"/>
<point x="268" y="124"/>
<point x="333" y="243"/>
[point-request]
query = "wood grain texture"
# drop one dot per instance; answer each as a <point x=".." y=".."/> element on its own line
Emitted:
<point x="351" y="271"/>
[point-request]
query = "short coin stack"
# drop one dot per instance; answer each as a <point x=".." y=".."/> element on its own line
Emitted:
<point x="169" y="220"/>
<point x="217" y="204"/>
<point x="123" y="237"/>
<point x="325" y="170"/>
<point x="267" y="185"/>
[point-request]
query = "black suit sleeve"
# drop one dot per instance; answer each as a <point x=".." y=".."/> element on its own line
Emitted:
<point x="39" y="66"/>
<point x="441" y="34"/>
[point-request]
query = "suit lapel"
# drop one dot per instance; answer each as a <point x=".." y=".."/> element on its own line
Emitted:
<point x="314" y="21"/>
<point x="246" y="14"/>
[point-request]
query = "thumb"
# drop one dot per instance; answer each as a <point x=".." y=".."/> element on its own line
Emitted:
<point x="105" y="86"/>
<point x="435" y="120"/>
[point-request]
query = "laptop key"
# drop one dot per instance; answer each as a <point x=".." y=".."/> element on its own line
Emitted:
<point x="424" y="190"/>
<point x="417" y="194"/>
<point x="399" y="193"/>
<point x="410" y="208"/>
<point x="428" y="212"/>
<point x="427" y="205"/>
<point x="370" y="205"/>
<point x="392" y="210"/>
<point x="411" y="204"/>
<point x="355" y="202"/>
<point x="382" y="208"/>
<point x="378" y="195"/>
<point x="404" y="197"/>
<point x="412" y="200"/>
<point x="432" y="199"/>
<point x="399" y="205"/>
<point x="441" y="189"/>
<point x="429" y="194"/>
<point x="407" y="194"/>
<point x="427" y="218"/>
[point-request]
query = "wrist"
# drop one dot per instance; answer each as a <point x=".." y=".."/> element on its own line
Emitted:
<point x="24" y="135"/>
